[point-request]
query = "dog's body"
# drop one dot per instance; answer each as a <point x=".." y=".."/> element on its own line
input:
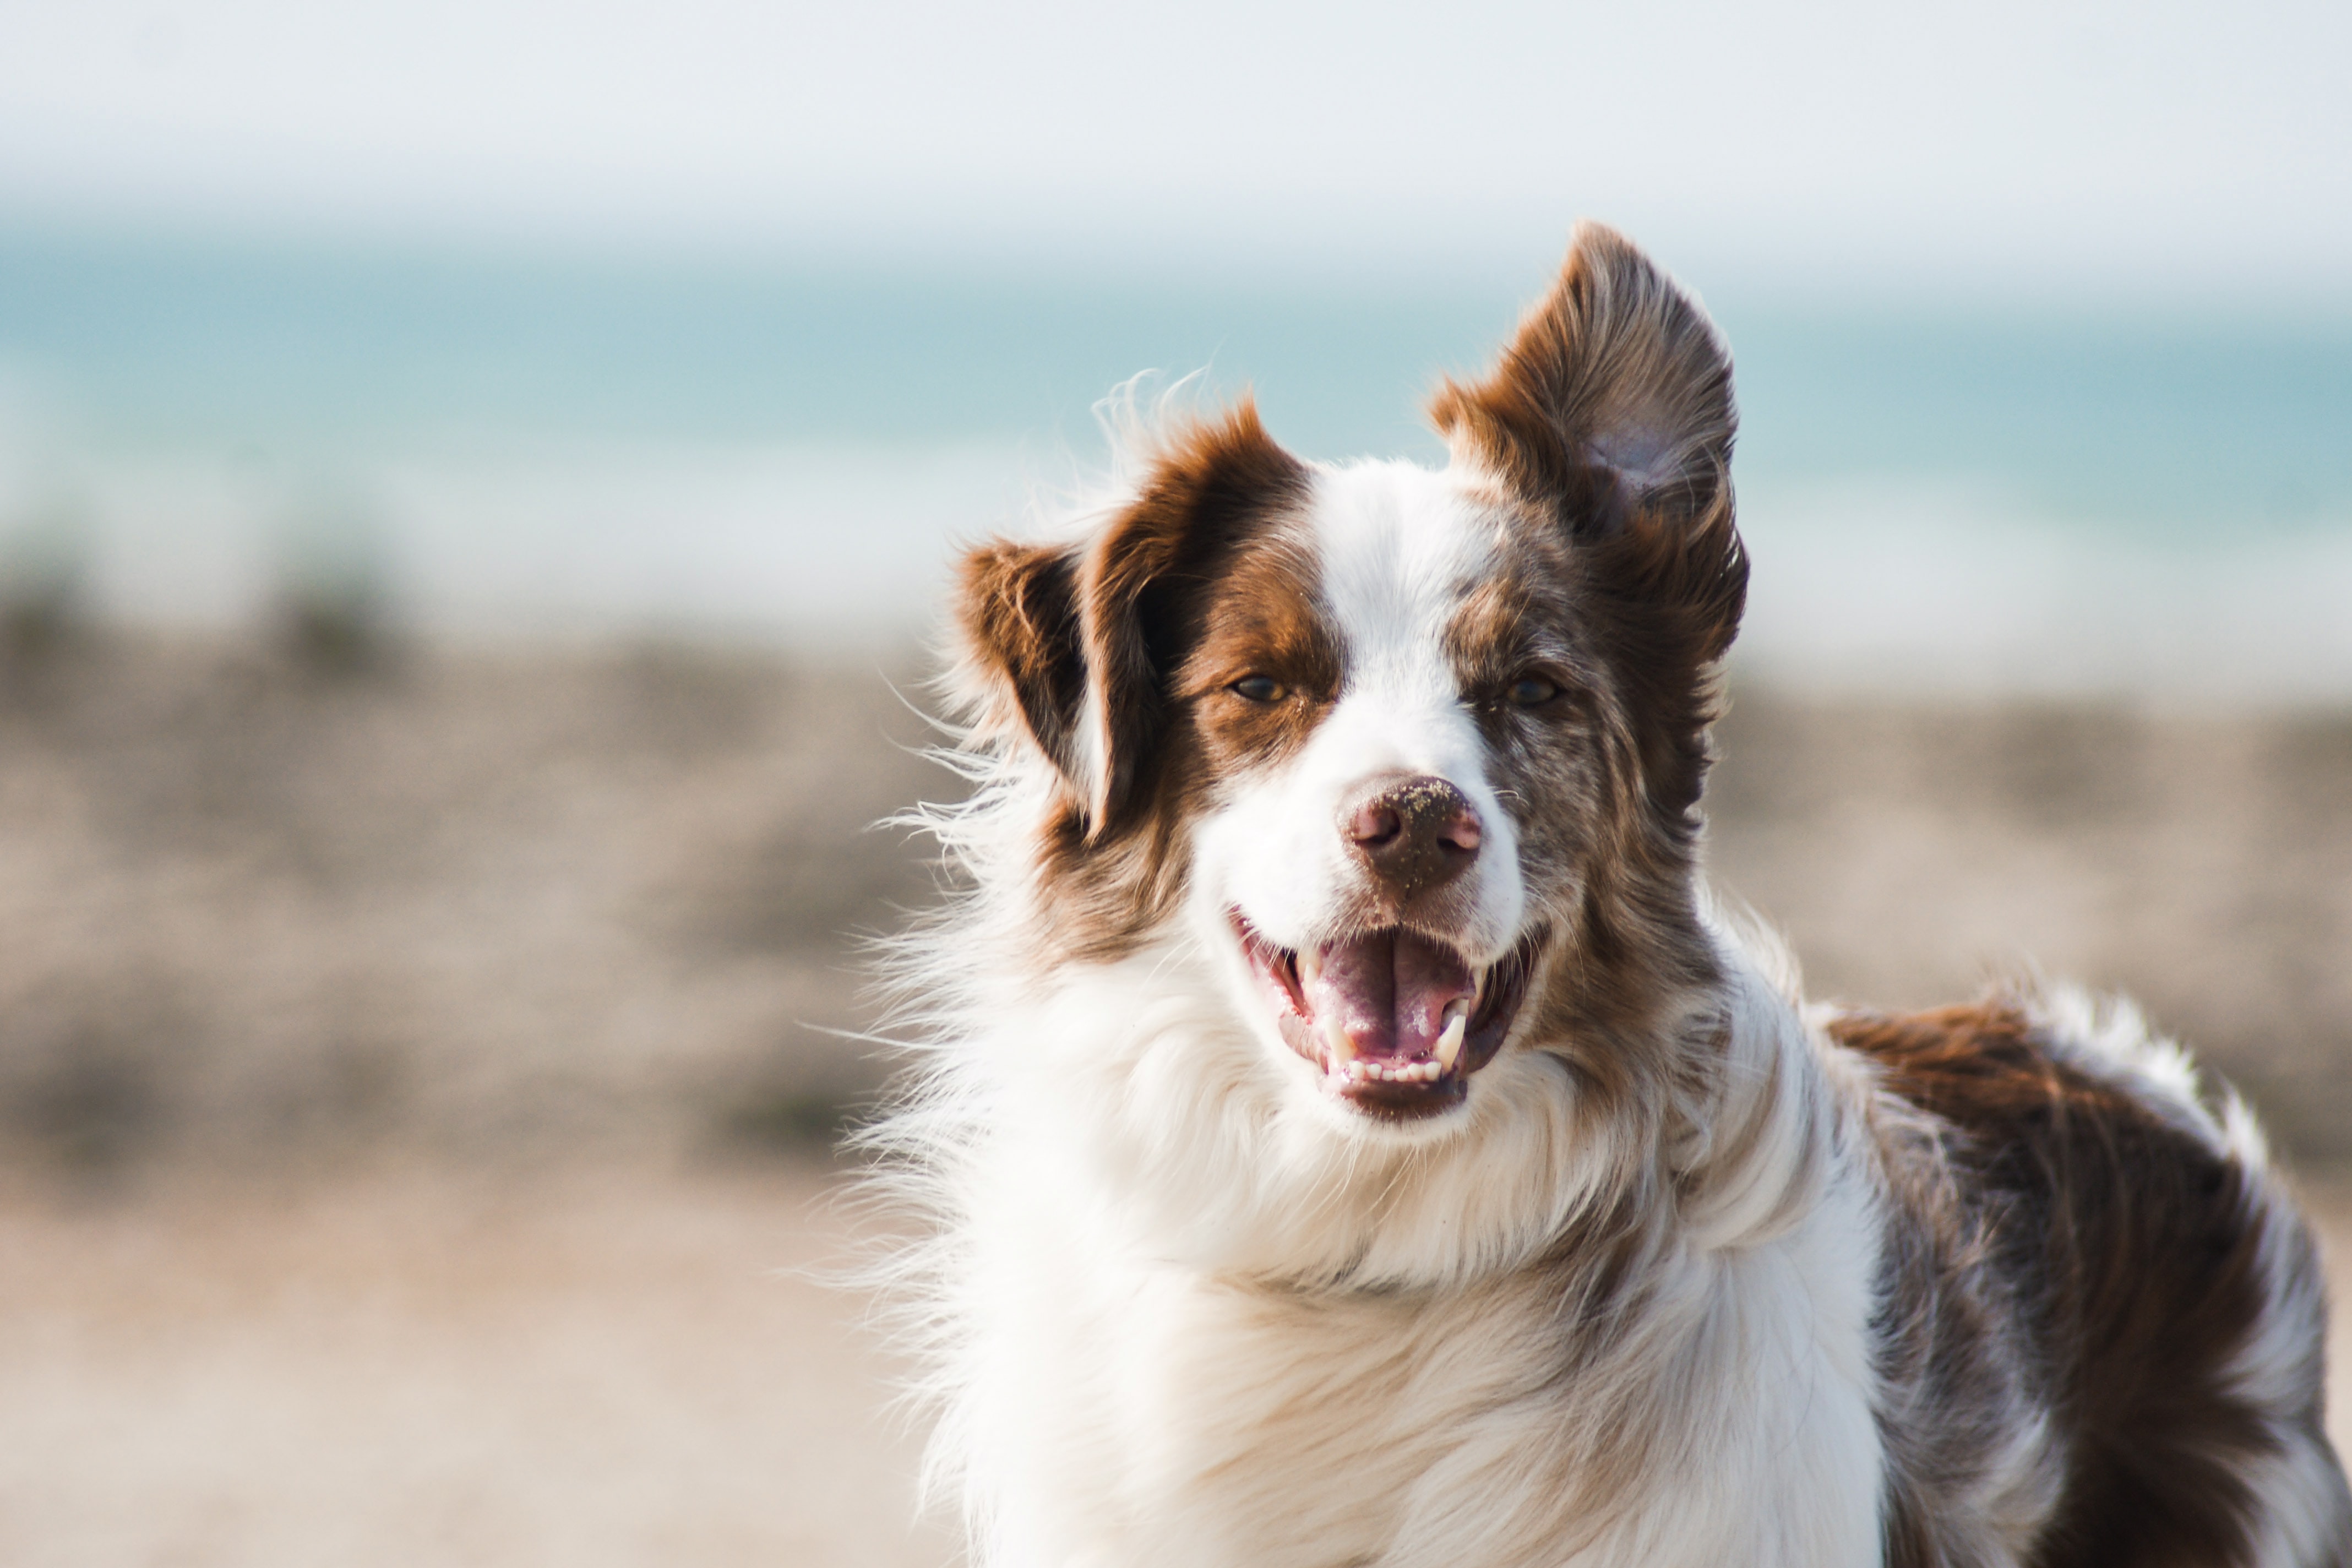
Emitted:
<point x="1355" y="1142"/>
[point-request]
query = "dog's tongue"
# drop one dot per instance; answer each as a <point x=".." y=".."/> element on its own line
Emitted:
<point x="1389" y="992"/>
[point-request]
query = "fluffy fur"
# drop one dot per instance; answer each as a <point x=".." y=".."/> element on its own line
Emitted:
<point x="1348" y="1135"/>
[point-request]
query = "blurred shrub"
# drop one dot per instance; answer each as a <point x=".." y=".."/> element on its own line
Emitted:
<point x="334" y="609"/>
<point x="44" y="556"/>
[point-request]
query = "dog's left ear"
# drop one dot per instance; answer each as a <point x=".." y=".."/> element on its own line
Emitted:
<point x="1611" y="410"/>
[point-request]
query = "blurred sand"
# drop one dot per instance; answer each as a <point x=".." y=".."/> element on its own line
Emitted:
<point x="497" y="906"/>
<point x="413" y="1073"/>
<point x="622" y="1367"/>
<point x="2201" y="862"/>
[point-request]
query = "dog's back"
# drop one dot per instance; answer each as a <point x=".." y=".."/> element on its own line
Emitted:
<point x="2085" y="1236"/>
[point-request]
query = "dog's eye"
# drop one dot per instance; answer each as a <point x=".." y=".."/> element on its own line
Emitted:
<point x="1531" y="692"/>
<point x="1259" y="689"/>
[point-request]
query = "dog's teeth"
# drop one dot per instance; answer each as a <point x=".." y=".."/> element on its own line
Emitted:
<point x="1343" y="1049"/>
<point x="1449" y="1043"/>
<point x="1310" y="966"/>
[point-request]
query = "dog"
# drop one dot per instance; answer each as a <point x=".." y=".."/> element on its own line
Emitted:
<point x="1352" y="1135"/>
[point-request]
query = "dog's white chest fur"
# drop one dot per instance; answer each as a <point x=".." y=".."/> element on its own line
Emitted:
<point x="1141" y="1412"/>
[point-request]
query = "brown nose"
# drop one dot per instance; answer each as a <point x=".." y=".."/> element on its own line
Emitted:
<point x="1414" y="833"/>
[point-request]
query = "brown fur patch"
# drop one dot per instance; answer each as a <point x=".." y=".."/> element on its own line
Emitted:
<point x="1615" y="894"/>
<point x="1194" y="585"/>
<point x="1212" y="487"/>
<point x="1611" y="415"/>
<point x="1607" y="428"/>
<point x="1261" y="617"/>
<point x="2061" y="1228"/>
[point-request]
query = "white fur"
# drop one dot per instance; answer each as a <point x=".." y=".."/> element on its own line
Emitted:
<point x="1396" y="544"/>
<point x="1142" y="1343"/>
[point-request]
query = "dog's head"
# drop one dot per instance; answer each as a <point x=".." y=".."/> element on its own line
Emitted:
<point x="1418" y="752"/>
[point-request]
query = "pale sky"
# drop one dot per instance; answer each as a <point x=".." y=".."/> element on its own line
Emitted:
<point x="2149" y="146"/>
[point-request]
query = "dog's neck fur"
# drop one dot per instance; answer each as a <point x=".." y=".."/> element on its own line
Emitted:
<point x="1651" y="1263"/>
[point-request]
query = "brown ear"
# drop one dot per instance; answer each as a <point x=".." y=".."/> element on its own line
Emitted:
<point x="1017" y="607"/>
<point x="1611" y="412"/>
<point x="1614" y="397"/>
<point x="1080" y="641"/>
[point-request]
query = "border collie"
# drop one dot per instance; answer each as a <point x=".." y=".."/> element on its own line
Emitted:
<point x="1352" y="1137"/>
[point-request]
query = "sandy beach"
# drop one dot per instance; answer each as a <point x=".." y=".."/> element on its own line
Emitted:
<point x="415" y="1076"/>
<point x="631" y="1366"/>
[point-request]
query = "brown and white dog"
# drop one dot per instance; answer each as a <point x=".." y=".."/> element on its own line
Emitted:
<point x="1355" y="1139"/>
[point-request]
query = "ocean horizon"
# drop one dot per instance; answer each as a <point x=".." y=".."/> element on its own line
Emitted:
<point x="2145" y="500"/>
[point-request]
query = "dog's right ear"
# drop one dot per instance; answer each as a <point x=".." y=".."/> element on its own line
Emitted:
<point x="1074" y="646"/>
<point x="1017" y="607"/>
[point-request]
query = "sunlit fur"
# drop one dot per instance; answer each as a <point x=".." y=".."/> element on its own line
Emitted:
<point x="1693" y="1275"/>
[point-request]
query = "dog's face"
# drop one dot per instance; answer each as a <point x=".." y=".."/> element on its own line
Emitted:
<point x="1416" y="754"/>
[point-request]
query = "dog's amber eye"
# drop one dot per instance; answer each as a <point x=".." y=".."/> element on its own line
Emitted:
<point x="1259" y="689"/>
<point x="1532" y="691"/>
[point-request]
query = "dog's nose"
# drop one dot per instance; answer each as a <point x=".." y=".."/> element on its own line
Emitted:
<point x="1414" y="833"/>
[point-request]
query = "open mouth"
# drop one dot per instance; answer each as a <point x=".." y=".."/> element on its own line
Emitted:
<point x="1396" y="1020"/>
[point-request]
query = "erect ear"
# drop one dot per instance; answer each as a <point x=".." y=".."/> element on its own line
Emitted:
<point x="1611" y="415"/>
<point x="1076" y="643"/>
<point x="1614" y="398"/>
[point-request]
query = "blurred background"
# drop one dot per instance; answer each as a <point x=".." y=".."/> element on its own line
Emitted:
<point x="474" y="481"/>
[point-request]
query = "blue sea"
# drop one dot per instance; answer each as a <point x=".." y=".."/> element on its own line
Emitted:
<point x="2156" y="502"/>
